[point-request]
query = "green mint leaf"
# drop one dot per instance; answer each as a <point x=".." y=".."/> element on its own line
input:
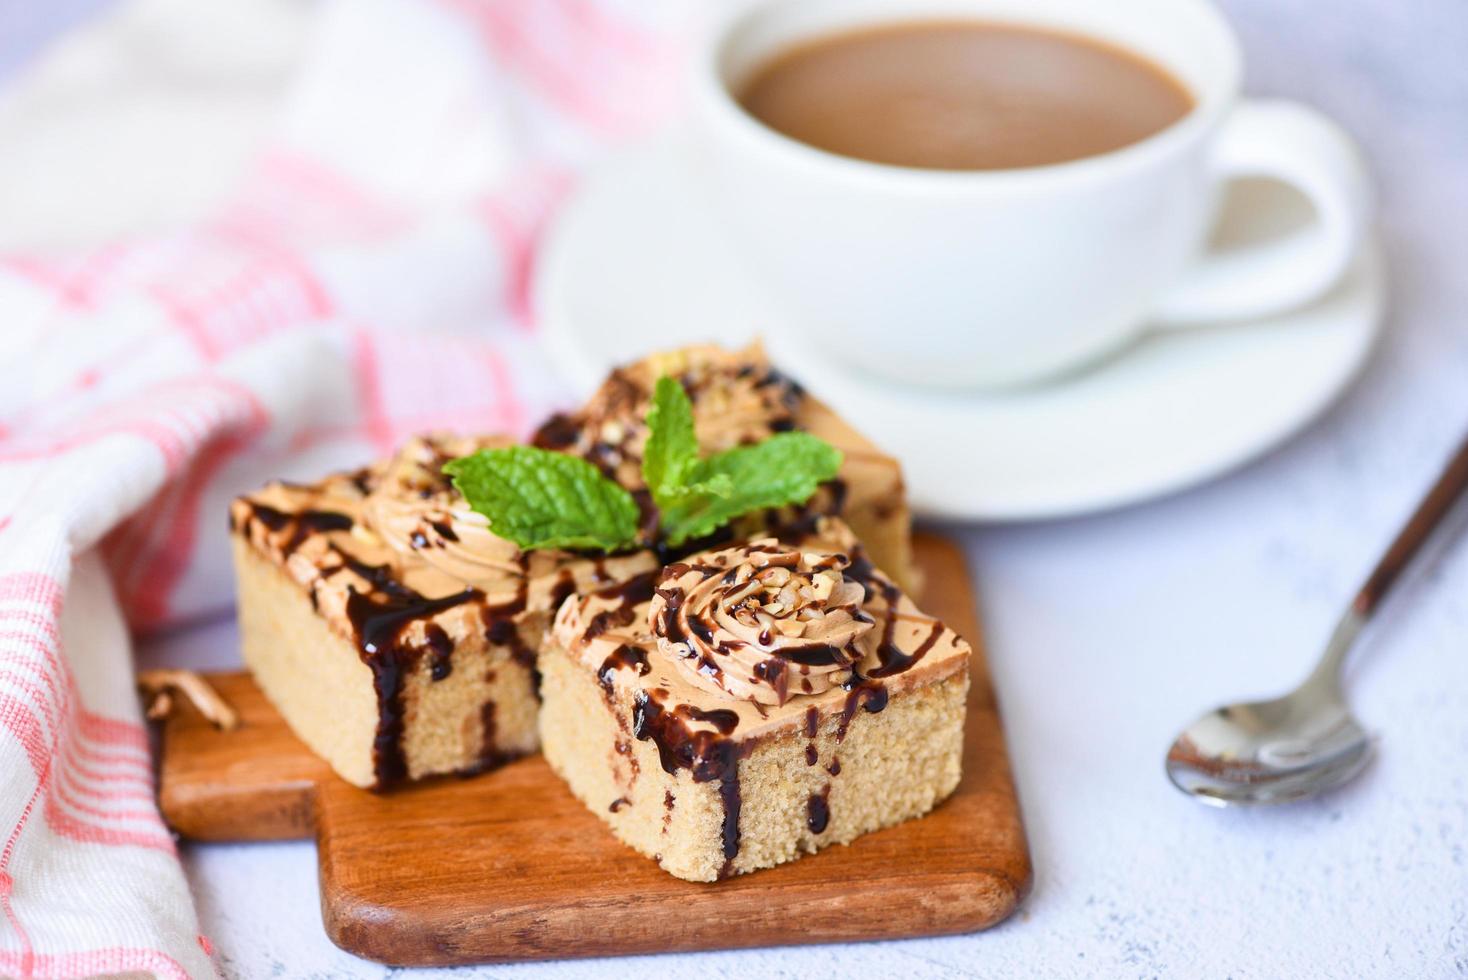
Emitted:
<point x="783" y="469"/>
<point x="671" y="453"/>
<point x="543" y="499"/>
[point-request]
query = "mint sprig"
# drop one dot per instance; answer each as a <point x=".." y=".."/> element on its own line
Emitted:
<point x="543" y="499"/>
<point x="696" y="497"/>
<point x="538" y="498"/>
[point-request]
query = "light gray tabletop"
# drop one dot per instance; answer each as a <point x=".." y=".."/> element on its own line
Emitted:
<point x="1107" y="633"/>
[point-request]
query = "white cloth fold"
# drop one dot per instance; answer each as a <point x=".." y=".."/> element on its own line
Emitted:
<point x="240" y="241"/>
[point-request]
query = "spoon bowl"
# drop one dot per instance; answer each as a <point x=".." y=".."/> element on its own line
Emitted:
<point x="1261" y="752"/>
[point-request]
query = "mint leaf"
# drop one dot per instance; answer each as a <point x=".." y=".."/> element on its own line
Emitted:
<point x="671" y="452"/>
<point x="543" y="499"/>
<point x="783" y="469"/>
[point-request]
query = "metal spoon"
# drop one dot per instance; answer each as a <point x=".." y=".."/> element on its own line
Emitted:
<point x="1306" y="742"/>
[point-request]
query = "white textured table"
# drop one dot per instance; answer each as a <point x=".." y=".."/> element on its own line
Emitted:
<point x="1106" y="634"/>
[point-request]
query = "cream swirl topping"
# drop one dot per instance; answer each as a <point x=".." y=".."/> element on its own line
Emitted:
<point x="762" y="621"/>
<point x="417" y="512"/>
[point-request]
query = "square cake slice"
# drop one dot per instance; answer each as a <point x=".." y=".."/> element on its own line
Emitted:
<point x="738" y="397"/>
<point x="394" y="633"/>
<point x="749" y="705"/>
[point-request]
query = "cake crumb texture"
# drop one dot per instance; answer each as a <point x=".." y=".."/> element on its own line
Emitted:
<point x="791" y="793"/>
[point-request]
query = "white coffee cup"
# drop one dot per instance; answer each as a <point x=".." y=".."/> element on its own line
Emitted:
<point x="997" y="277"/>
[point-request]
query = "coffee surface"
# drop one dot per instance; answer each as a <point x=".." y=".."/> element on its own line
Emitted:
<point x="964" y="95"/>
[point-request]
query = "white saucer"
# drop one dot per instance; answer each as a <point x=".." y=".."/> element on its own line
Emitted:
<point x="636" y="263"/>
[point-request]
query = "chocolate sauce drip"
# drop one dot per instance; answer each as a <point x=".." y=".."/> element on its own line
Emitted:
<point x="380" y="577"/>
<point x="445" y="530"/>
<point x="512" y="606"/>
<point x="618" y="803"/>
<point x="838" y="495"/>
<point x="647" y="521"/>
<point x="607" y="619"/>
<point x="633" y="592"/>
<point x="811" y="755"/>
<point x="378" y="621"/>
<point x="834" y="768"/>
<point x="624" y="656"/>
<point x="667" y="624"/>
<point x="730" y="795"/>
<point x="708" y="756"/>
<point x="363" y="480"/>
<point x="668" y="802"/>
<point x="812" y="721"/>
<point x="890" y="658"/>
<point x="274" y="520"/>
<point x="559" y="432"/>
<point x="302" y="523"/>
<point x="418" y="540"/>
<point x="863" y="694"/>
<point x="894" y="661"/>
<point x="775" y="673"/>
<point x="325" y="520"/>
<point x="818" y="810"/>
<point x="721" y="718"/>
<point x="502" y="631"/>
<point x="489" y="755"/>
<point x="442" y="649"/>
<point x="815" y="655"/>
<point x="565" y="584"/>
<point x="702" y="629"/>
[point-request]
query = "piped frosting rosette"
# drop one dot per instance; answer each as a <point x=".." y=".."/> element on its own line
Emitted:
<point x="761" y="621"/>
<point x="417" y="512"/>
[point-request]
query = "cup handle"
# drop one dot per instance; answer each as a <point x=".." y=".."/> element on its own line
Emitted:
<point x="1300" y="147"/>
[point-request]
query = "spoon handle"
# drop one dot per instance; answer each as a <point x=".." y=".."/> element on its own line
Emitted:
<point x="1427" y="518"/>
<point x="1418" y="529"/>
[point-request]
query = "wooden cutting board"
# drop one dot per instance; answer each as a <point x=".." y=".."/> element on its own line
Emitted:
<point x="510" y="866"/>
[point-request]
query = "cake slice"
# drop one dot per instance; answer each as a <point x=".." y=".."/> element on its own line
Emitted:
<point x="738" y="398"/>
<point x="751" y="704"/>
<point x="397" y="633"/>
<point x="393" y="632"/>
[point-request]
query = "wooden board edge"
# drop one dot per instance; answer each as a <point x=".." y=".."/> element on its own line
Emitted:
<point x="958" y="904"/>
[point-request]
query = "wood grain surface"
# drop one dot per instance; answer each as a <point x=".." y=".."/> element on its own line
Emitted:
<point x="509" y="866"/>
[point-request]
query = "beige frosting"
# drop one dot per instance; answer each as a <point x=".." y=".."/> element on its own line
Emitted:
<point x="747" y="620"/>
<point x="737" y="398"/>
<point x="405" y="519"/>
<point x="902" y="650"/>
<point x="418" y="513"/>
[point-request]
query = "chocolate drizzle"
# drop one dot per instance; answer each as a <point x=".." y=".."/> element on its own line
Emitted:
<point x="709" y="756"/>
<point x="502" y="630"/>
<point x="625" y="656"/>
<point x="864" y="694"/>
<point x="378" y="622"/>
<point x="489" y="755"/>
<point x="891" y="659"/>
<point x="303" y="524"/>
<point x="442" y="649"/>
<point x="818" y="810"/>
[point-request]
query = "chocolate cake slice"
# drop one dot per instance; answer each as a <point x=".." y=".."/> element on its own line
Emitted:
<point x="751" y="704"/>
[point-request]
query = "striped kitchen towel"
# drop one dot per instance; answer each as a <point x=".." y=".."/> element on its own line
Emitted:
<point x="238" y="241"/>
